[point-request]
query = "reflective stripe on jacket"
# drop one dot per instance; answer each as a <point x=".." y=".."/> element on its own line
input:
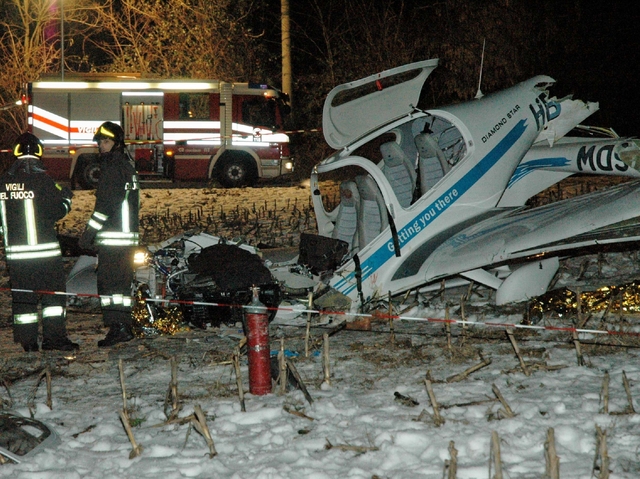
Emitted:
<point x="30" y="205"/>
<point x="115" y="216"/>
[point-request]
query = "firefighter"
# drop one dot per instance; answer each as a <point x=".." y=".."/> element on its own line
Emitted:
<point x="113" y="229"/>
<point x="30" y="204"/>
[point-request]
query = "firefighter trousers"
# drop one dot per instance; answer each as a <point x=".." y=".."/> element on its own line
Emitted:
<point x="115" y="275"/>
<point x="33" y="282"/>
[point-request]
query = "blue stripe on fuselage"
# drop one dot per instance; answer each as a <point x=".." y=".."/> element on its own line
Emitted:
<point x="423" y="219"/>
<point x="524" y="169"/>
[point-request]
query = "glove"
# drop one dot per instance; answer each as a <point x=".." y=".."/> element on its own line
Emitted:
<point x="86" y="240"/>
<point x="66" y="193"/>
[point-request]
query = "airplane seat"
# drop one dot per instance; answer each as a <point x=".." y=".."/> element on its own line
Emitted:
<point x="399" y="170"/>
<point x="346" y="226"/>
<point x="452" y="144"/>
<point x="373" y="211"/>
<point x="432" y="164"/>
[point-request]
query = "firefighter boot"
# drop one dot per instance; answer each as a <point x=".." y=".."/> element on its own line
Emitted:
<point x="54" y="336"/>
<point x="118" y="333"/>
<point x="27" y="335"/>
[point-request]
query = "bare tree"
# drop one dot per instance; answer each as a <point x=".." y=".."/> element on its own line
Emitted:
<point x="30" y="48"/>
<point x="182" y="38"/>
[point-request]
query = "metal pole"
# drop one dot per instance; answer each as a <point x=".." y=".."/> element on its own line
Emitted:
<point x="286" y="50"/>
<point x="62" y="40"/>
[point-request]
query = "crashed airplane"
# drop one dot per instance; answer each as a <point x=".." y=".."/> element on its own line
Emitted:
<point x="428" y="198"/>
<point x="438" y="195"/>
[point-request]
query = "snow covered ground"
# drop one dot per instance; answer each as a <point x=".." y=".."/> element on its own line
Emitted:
<point x="372" y="433"/>
<point x="395" y="438"/>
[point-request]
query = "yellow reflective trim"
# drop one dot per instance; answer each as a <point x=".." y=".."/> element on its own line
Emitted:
<point x="118" y="234"/>
<point x="125" y="215"/>
<point x="5" y="230"/>
<point x="51" y="311"/>
<point x="54" y="245"/>
<point x="30" y="218"/>
<point x="35" y="255"/>
<point x="95" y="225"/>
<point x="26" y="318"/>
<point x="116" y="242"/>
<point x="106" y="132"/>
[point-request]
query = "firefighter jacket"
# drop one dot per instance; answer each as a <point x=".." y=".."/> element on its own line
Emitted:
<point x="114" y="221"/>
<point x="30" y="204"/>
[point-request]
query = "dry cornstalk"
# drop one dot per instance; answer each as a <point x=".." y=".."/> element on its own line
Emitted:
<point x="578" y="346"/>
<point x="294" y="371"/>
<point x="447" y="326"/>
<point x="601" y="461"/>
<point x="297" y="413"/>
<point x="552" y="460"/>
<point x="200" y="423"/>
<point x="507" y="411"/>
<point x="437" y="418"/>
<point x="463" y="316"/>
<point x="282" y="367"/>
<point x="451" y="465"/>
<point x="123" y="388"/>
<point x="175" y="399"/>
<point x="136" y="448"/>
<point x="308" y="330"/>
<point x="535" y="366"/>
<point x="469" y="403"/>
<point x="325" y="358"/>
<point x="348" y="447"/>
<point x="512" y="339"/>
<point x="467" y="372"/>
<point x="236" y="366"/>
<point x="49" y="400"/>
<point x="574" y="333"/>
<point x="6" y="403"/>
<point x="495" y="456"/>
<point x="627" y="389"/>
<point x="604" y="394"/>
<point x="392" y="337"/>
<point x="172" y="392"/>
<point x="31" y="402"/>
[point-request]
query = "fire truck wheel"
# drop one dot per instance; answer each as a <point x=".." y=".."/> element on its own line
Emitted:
<point x="89" y="174"/>
<point x="235" y="172"/>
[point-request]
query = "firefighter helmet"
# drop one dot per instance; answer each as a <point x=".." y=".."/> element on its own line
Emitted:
<point x="27" y="144"/>
<point x="111" y="131"/>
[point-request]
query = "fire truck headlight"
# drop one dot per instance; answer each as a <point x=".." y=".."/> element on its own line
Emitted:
<point x="288" y="166"/>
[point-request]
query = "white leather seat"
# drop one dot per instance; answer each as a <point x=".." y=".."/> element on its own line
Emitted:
<point x="399" y="170"/>
<point x="372" y="217"/>
<point x="346" y="226"/>
<point x="432" y="164"/>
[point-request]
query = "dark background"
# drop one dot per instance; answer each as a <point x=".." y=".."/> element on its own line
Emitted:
<point x="591" y="48"/>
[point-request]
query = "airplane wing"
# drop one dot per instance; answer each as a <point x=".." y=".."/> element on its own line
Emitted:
<point x="607" y="216"/>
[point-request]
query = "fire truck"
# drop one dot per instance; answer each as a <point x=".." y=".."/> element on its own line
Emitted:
<point x="194" y="130"/>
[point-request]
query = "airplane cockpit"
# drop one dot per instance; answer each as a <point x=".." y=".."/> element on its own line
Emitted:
<point x="406" y="162"/>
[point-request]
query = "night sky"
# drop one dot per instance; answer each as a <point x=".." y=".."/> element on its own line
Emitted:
<point x="606" y="68"/>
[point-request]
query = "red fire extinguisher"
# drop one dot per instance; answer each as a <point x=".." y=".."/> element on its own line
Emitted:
<point x="258" y="353"/>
